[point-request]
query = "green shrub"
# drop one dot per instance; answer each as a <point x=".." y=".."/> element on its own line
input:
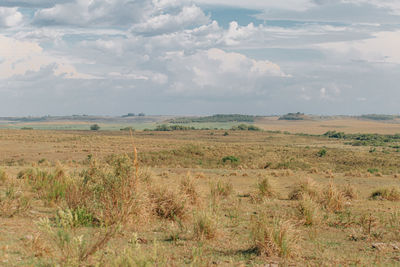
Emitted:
<point x="94" y="127"/>
<point x="373" y="170"/>
<point x="321" y="153"/>
<point x="232" y="159"/>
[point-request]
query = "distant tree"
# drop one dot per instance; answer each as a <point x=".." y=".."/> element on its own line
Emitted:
<point x="141" y="114"/>
<point x="94" y="127"/>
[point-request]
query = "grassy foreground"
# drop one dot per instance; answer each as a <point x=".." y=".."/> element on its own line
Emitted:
<point x="199" y="198"/>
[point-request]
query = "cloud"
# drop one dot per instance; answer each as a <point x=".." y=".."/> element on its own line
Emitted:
<point x="216" y="71"/>
<point x="10" y="17"/>
<point x="31" y="3"/>
<point x="21" y="57"/>
<point x="93" y="13"/>
<point x="299" y="5"/>
<point x="382" y="47"/>
<point x="187" y="17"/>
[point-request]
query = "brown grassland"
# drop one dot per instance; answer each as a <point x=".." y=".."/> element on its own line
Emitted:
<point x="199" y="198"/>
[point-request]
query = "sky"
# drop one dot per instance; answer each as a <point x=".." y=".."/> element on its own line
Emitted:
<point x="200" y="57"/>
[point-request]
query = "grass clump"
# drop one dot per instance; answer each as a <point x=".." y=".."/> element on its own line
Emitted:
<point x="264" y="191"/>
<point x="48" y="185"/>
<point x="3" y="176"/>
<point x="278" y="238"/>
<point x="13" y="202"/>
<point x="220" y="190"/>
<point x="204" y="226"/>
<point x="309" y="211"/>
<point x="168" y="204"/>
<point x="391" y="194"/>
<point x="349" y="192"/>
<point x="305" y="187"/>
<point x="188" y="188"/>
<point x="332" y="198"/>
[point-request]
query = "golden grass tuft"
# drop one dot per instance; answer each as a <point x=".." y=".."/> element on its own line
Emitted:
<point x="204" y="226"/>
<point x="306" y="186"/>
<point x="188" y="188"/>
<point x="220" y="190"/>
<point x="309" y="211"/>
<point x="349" y="192"/>
<point x="332" y="198"/>
<point x="278" y="238"/>
<point x="168" y="204"/>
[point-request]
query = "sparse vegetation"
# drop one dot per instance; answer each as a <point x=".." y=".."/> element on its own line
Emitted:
<point x="82" y="198"/>
<point x="216" y="118"/>
<point x="391" y="194"/>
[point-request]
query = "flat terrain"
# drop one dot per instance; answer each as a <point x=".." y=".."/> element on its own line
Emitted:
<point x="320" y="126"/>
<point x="200" y="197"/>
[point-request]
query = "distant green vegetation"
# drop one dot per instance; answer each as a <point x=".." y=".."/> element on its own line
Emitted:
<point x="216" y="118"/>
<point x="365" y="139"/>
<point x="245" y="127"/>
<point x="293" y="117"/>
<point x="378" y="117"/>
<point x="167" y="128"/>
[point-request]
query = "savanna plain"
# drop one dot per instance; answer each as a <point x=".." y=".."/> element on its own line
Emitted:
<point x="293" y="194"/>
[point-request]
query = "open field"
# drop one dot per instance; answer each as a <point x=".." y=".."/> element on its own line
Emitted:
<point x="348" y="125"/>
<point x="200" y="198"/>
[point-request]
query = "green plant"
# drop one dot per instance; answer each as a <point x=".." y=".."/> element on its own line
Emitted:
<point x="373" y="170"/>
<point x="322" y="153"/>
<point x="94" y="127"/>
<point x="232" y="159"/>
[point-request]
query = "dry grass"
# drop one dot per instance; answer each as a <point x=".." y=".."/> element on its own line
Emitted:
<point x="305" y="187"/>
<point x="277" y="238"/>
<point x="309" y="211"/>
<point x="205" y="225"/>
<point x="188" y="188"/>
<point x="113" y="213"/>
<point x="391" y="194"/>
<point x="168" y="204"/>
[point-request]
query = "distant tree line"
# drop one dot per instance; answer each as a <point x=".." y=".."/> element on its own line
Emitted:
<point x="293" y="116"/>
<point x="216" y="118"/>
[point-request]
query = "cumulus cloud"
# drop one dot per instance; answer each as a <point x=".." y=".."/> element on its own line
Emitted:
<point x="10" y="17"/>
<point x="93" y="13"/>
<point x="20" y="57"/>
<point x="217" y="71"/>
<point x="187" y="17"/>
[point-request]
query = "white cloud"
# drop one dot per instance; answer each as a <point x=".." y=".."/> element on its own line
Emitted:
<point x="299" y="5"/>
<point x="187" y="17"/>
<point x="217" y="71"/>
<point x="20" y="57"/>
<point x="383" y="47"/>
<point x="10" y="17"/>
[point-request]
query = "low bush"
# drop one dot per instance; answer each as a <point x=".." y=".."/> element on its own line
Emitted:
<point x="391" y="194"/>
